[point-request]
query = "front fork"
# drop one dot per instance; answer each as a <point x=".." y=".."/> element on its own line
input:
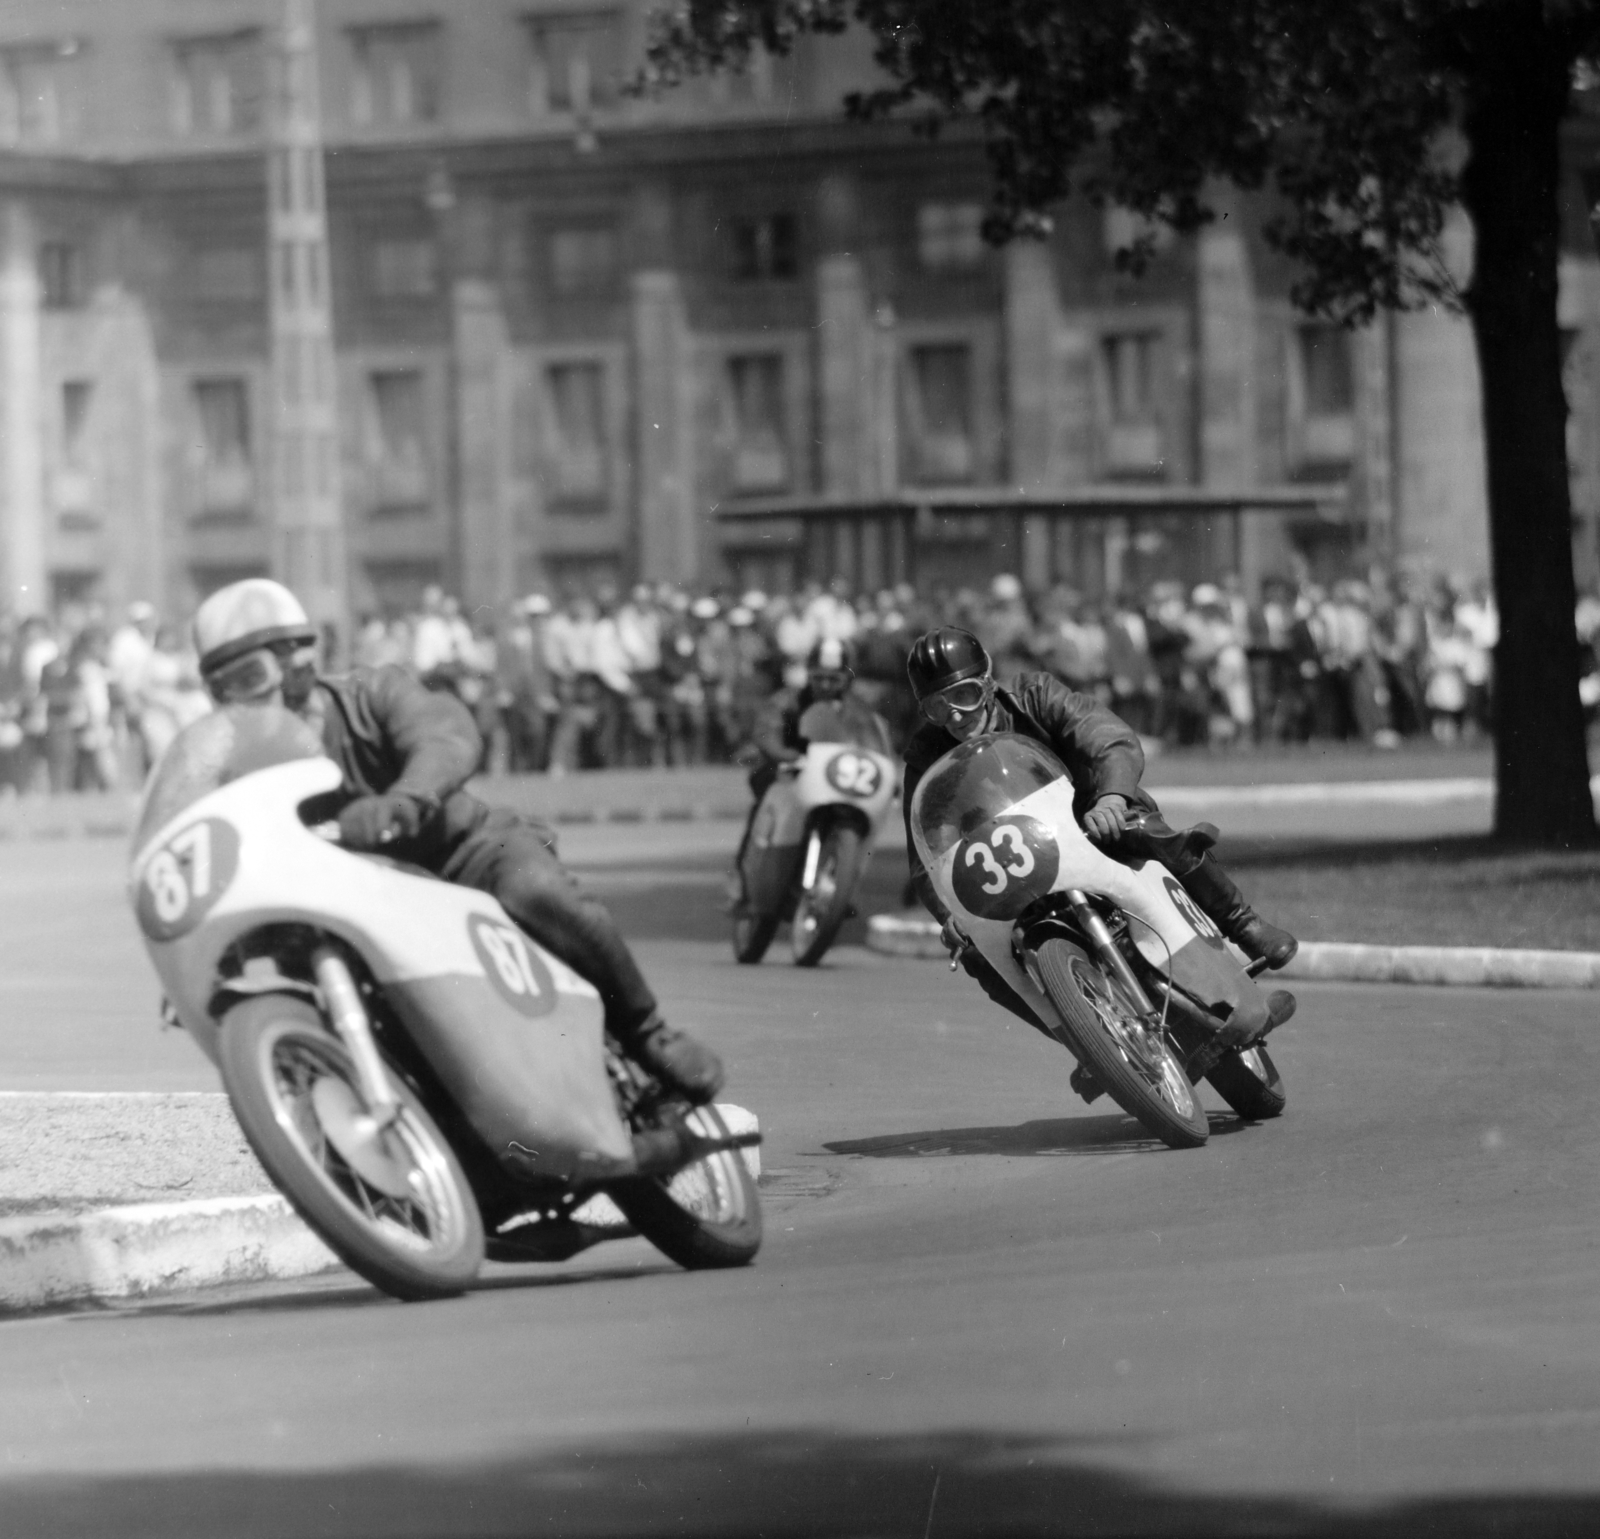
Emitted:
<point x="1093" y="924"/>
<point x="354" y="1030"/>
<point x="808" y="877"/>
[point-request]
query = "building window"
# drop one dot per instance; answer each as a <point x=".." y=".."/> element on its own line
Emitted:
<point x="765" y="248"/>
<point x="950" y="236"/>
<point x="36" y="102"/>
<point x="61" y="278"/>
<point x="397" y="449"/>
<point x="583" y="260"/>
<point x="76" y="394"/>
<point x="225" y="274"/>
<point x="937" y="399"/>
<point x="576" y="453"/>
<point x="1322" y="395"/>
<point x="222" y="448"/>
<point x="1133" y="442"/>
<point x="404" y="267"/>
<point x="395" y="74"/>
<point x="575" y="61"/>
<point x="760" y="436"/>
<point x="218" y="84"/>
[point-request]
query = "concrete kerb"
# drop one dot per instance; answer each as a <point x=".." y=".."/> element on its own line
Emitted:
<point x="147" y="1250"/>
<point x="1338" y="961"/>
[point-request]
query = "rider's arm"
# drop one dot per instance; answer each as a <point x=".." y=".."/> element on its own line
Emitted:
<point x="918" y="761"/>
<point x="773" y="731"/>
<point x="1101" y="751"/>
<point x="431" y="732"/>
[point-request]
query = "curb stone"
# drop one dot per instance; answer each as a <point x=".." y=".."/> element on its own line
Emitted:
<point x="1338" y="961"/>
<point x="146" y="1250"/>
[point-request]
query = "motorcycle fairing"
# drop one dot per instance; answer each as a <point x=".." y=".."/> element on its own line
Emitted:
<point x="532" y="1084"/>
<point x="970" y="796"/>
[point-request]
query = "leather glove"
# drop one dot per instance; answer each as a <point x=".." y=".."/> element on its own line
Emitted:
<point x="371" y="822"/>
<point x="1107" y="819"/>
<point x="956" y="941"/>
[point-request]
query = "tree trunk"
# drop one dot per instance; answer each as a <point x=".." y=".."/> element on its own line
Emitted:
<point x="1509" y="186"/>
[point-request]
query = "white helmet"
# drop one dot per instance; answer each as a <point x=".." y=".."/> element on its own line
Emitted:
<point x="244" y="616"/>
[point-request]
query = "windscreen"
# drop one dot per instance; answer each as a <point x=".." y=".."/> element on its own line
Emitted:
<point x="977" y="781"/>
<point x="224" y="746"/>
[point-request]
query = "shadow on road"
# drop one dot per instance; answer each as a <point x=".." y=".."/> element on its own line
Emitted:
<point x="1113" y="1134"/>
<point x="783" y="1484"/>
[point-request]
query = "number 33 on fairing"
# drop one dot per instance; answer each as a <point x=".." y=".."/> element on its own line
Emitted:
<point x="1003" y="866"/>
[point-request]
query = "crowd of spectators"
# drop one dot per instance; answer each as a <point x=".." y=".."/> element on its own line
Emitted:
<point x="665" y="676"/>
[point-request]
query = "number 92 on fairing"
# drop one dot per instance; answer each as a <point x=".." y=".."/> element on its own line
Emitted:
<point x="1001" y="867"/>
<point x="855" y="774"/>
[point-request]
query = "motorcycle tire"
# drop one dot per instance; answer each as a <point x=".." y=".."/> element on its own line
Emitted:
<point x="274" y="1051"/>
<point x="1144" y="1076"/>
<point x="752" y="934"/>
<point x="820" y="913"/>
<point x="706" y="1215"/>
<point x="1250" y="1083"/>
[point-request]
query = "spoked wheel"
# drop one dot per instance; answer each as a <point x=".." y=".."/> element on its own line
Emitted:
<point x="820" y="912"/>
<point x="1137" y="1066"/>
<point x="393" y="1204"/>
<point x="706" y="1215"/>
<point x="1250" y="1083"/>
<point x="752" y="934"/>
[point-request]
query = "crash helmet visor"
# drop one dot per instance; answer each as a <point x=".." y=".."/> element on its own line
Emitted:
<point x="260" y="671"/>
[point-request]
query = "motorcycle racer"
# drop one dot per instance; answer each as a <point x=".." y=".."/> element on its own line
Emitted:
<point x="406" y="753"/>
<point x="959" y="699"/>
<point x="830" y="678"/>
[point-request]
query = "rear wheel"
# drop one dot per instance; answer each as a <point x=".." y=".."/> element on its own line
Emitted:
<point x="394" y="1204"/>
<point x="706" y="1215"/>
<point x="820" y="912"/>
<point x="1249" y="1082"/>
<point x="1137" y="1066"/>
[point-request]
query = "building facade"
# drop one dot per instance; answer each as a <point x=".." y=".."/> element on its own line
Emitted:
<point x="572" y="332"/>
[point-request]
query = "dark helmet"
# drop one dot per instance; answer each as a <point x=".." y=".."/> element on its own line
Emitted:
<point x="942" y="657"/>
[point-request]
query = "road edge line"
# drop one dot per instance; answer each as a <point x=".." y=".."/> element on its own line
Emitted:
<point x="1339" y="961"/>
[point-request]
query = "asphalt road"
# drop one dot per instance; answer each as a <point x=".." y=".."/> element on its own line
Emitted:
<point x="982" y="1308"/>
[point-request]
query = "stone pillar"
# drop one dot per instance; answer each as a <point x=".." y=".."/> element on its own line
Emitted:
<point x="1441" y="491"/>
<point x="483" y="394"/>
<point x="128" y="448"/>
<point x="23" y="588"/>
<point x="847" y="383"/>
<point x="667" y="525"/>
<point x="1225" y="303"/>
<point x="1374" y="481"/>
<point x="1033" y="397"/>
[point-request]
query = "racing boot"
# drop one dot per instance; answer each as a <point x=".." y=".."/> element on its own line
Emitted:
<point x="1218" y="895"/>
<point x="684" y="1066"/>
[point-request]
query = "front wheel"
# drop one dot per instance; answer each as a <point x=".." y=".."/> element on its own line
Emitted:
<point x="752" y="934"/>
<point x="1137" y="1066"/>
<point x="820" y="912"/>
<point x="706" y="1215"/>
<point x="392" y="1205"/>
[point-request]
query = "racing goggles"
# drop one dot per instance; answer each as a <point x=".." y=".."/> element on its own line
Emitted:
<point x="960" y="699"/>
<point x="829" y="682"/>
<point x="255" y="675"/>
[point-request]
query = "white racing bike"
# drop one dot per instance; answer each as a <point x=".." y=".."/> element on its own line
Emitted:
<point x="423" y="1083"/>
<point x="811" y="839"/>
<point x="1113" y="958"/>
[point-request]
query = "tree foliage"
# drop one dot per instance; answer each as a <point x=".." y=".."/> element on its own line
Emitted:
<point x="1343" y="110"/>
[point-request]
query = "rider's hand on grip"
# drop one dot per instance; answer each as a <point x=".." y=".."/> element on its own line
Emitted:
<point x="371" y="822"/>
<point x="956" y="942"/>
<point x="1107" y="819"/>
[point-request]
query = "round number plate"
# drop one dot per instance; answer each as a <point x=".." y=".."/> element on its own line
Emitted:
<point x="855" y="774"/>
<point x="184" y="879"/>
<point x="1003" y="866"/>
<point x="1198" y="920"/>
<point x="514" y="968"/>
